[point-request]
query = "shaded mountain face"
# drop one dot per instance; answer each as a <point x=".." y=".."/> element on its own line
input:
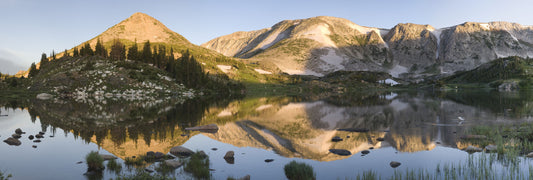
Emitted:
<point x="321" y="45"/>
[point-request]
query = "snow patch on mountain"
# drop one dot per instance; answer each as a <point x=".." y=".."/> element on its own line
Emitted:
<point x="397" y="70"/>
<point x="224" y="68"/>
<point x="485" y="26"/>
<point x="437" y="33"/>
<point x="260" y="71"/>
<point x="320" y="34"/>
<point x="273" y="39"/>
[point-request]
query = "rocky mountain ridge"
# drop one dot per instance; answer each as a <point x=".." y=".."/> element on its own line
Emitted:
<point x="321" y="45"/>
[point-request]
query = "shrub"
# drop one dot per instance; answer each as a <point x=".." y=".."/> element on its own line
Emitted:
<point x="299" y="171"/>
<point x="95" y="162"/>
<point x="198" y="165"/>
<point x="112" y="165"/>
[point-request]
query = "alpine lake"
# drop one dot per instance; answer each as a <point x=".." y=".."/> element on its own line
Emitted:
<point x="432" y="135"/>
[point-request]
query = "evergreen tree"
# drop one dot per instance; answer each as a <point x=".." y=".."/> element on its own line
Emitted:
<point x="44" y="60"/>
<point x="100" y="49"/>
<point x="147" y="52"/>
<point x="33" y="70"/>
<point x="86" y="50"/>
<point x="76" y="53"/>
<point x="118" y="50"/>
<point x="133" y="52"/>
<point x="53" y="55"/>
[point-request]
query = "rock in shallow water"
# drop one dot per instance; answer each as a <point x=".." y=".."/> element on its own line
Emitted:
<point x="16" y="136"/>
<point x="365" y="152"/>
<point x="173" y="163"/>
<point x="395" y="164"/>
<point x="230" y="157"/>
<point x="336" y="139"/>
<point x="181" y="151"/>
<point x="18" y="131"/>
<point x="12" y="141"/>
<point x="342" y="152"/>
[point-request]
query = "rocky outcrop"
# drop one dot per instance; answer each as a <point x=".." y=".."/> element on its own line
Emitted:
<point x="321" y="45"/>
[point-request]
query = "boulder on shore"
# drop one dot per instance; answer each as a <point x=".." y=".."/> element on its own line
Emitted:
<point x="12" y="141"/>
<point x="210" y="128"/>
<point x="181" y="151"/>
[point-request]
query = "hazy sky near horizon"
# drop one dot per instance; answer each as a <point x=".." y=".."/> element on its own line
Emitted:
<point x="31" y="27"/>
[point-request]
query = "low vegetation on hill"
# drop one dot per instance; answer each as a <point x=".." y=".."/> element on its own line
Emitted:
<point x="504" y="73"/>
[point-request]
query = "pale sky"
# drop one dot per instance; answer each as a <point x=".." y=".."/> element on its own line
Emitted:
<point x="31" y="27"/>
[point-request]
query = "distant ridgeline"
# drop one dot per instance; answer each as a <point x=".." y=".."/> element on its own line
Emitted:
<point x="120" y="70"/>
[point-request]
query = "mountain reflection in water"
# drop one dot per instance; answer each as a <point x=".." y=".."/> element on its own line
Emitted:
<point x="291" y="127"/>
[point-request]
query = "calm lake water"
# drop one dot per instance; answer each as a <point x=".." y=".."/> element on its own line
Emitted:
<point x="420" y="130"/>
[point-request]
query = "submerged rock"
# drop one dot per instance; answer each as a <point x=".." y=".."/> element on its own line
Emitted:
<point x="34" y="146"/>
<point x="39" y="136"/>
<point x="210" y="128"/>
<point x="395" y="164"/>
<point x="269" y="160"/>
<point x="365" y="152"/>
<point x="336" y="139"/>
<point x="31" y="137"/>
<point x="342" y="152"/>
<point x="37" y="141"/>
<point x="12" y="141"/>
<point x="181" y="151"/>
<point x="173" y="163"/>
<point x="107" y="157"/>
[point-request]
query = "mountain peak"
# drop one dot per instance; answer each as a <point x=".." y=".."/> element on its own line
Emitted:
<point x="140" y="27"/>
